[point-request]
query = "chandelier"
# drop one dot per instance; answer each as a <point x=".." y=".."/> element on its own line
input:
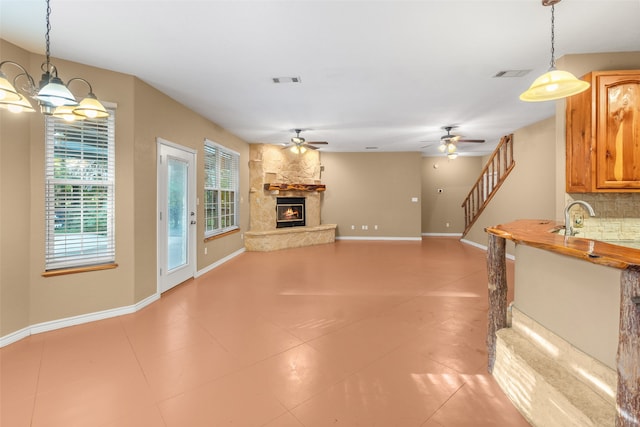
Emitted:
<point x="52" y="95"/>
<point x="554" y="84"/>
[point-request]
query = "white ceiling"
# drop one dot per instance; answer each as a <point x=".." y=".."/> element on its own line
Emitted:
<point x="386" y="74"/>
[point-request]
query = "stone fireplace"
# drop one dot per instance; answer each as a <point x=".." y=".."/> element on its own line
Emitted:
<point x="276" y="174"/>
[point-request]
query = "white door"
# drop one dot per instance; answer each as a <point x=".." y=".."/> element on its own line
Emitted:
<point x="176" y="214"/>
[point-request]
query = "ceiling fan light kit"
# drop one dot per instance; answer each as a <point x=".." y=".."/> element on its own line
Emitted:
<point x="299" y="145"/>
<point x="554" y="84"/>
<point x="52" y="95"/>
<point x="448" y="142"/>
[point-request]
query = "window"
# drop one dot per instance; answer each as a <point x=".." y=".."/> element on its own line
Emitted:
<point x="220" y="189"/>
<point x="79" y="194"/>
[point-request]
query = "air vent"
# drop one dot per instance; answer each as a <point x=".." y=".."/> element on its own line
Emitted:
<point x="511" y="73"/>
<point x="287" y="80"/>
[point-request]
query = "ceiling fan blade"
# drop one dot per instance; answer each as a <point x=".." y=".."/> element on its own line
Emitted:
<point x="318" y="142"/>
<point x="310" y="146"/>
<point x="470" y="140"/>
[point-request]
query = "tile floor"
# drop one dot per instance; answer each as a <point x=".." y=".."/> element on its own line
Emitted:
<point x="354" y="333"/>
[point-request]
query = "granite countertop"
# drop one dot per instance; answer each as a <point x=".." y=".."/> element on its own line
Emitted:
<point x="543" y="234"/>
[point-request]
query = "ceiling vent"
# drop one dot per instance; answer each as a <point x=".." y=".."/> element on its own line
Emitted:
<point x="287" y="80"/>
<point x="511" y="73"/>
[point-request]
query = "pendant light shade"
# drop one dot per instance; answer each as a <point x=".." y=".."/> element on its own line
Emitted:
<point x="19" y="106"/>
<point x="56" y="94"/>
<point x="554" y="84"/>
<point x="91" y="108"/>
<point x="66" y="113"/>
<point x="7" y="92"/>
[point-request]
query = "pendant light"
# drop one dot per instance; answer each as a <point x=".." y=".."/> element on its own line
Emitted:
<point x="52" y="95"/>
<point x="554" y="84"/>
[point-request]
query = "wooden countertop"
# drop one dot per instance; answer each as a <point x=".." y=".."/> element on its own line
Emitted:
<point x="539" y="233"/>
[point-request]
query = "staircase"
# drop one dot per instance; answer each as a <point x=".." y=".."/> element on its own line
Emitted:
<point x="491" y="178"/>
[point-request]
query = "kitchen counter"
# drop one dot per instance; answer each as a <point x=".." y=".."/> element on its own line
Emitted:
<point x="544" y="234"/>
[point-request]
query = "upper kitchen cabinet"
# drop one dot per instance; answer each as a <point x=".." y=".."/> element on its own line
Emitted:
<point x="603" y="134"/>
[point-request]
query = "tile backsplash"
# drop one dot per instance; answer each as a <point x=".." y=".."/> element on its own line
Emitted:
<point x="617" y="216"/>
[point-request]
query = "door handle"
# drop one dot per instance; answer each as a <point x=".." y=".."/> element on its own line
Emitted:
<point x="193" y="222"/>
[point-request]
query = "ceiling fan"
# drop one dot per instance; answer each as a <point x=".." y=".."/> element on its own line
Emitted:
<point x="448" y="142"/>
<point x="299" y="145"/>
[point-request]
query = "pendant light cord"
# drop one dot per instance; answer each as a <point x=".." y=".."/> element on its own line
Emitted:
<point x="553" y="37"/>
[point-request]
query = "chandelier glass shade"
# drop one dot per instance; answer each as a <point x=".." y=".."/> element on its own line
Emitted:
<point x="554" y="84"/>
<point x="51" y="93"/>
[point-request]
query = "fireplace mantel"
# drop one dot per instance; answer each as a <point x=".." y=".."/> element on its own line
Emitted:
<point x="294" y="187"/>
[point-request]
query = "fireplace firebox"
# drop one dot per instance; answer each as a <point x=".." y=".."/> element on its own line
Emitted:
<point x="290" y="212"/>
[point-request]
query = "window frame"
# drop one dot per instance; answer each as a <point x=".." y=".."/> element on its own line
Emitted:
<point x="213" y="163"/>
<point x="91" y="146"/>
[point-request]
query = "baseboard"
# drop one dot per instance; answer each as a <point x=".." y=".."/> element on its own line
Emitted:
<point x="484" y="248"/>
<point x="442" y="234"/>
<point x="219" y="262"/>
<point x="76" y="320"/>
<point x="417" y="239"/>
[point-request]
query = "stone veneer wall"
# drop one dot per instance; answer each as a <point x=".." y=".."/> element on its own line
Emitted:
<point x="617" y="216"/>
<point x="272" y="164"/>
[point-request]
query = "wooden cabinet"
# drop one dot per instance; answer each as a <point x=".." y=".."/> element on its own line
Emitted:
<point x="603" y="134"/>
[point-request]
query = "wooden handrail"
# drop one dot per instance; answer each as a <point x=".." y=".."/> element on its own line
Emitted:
<point x="491" y="178"/>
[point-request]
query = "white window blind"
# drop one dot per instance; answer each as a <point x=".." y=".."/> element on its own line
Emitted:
<point x="80" y="193"/>
<point x="221" y="189"/>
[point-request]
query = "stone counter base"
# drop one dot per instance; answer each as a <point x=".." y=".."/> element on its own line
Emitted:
<point x="292" y="237"/>
<point x="550" y="382"/>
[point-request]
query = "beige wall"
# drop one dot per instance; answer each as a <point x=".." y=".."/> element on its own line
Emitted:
<point x="142" y="114"/>
<point x="15" y="205"/>
<point x="455" y="178"/>
<point x="372" y="189"/>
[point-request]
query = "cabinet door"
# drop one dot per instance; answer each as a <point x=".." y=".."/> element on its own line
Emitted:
<point x="618" y="140"/>
<point x="580" y="152"/>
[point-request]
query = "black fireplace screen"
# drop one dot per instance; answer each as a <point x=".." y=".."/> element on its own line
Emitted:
<point x="290" y="212"/>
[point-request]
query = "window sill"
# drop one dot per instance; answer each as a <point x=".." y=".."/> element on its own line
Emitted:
<point x="217" y="236"/>
<point x="74" y="270"/>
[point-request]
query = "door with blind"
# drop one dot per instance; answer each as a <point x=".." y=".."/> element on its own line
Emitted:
<point x="176" y="214"/>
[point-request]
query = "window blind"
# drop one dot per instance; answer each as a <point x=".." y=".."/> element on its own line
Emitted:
<point x="221" y="187"/>
<point x="79" y="192"/>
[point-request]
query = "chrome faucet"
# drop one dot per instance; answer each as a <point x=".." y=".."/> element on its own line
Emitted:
<point x="568" y="228"/>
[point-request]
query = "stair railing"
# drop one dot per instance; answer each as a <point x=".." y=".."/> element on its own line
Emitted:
<point x="491" y="178"/>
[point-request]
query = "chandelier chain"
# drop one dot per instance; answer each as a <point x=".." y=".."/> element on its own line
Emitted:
<point x="47" y="34"/>
<point x="553" y="36"/>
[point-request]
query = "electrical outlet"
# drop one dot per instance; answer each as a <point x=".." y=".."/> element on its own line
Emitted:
<point x="375" y="227"/>
<point x="447" y="225"/>
<point x="205" y="250"/>
<point x="353" y="227"/>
